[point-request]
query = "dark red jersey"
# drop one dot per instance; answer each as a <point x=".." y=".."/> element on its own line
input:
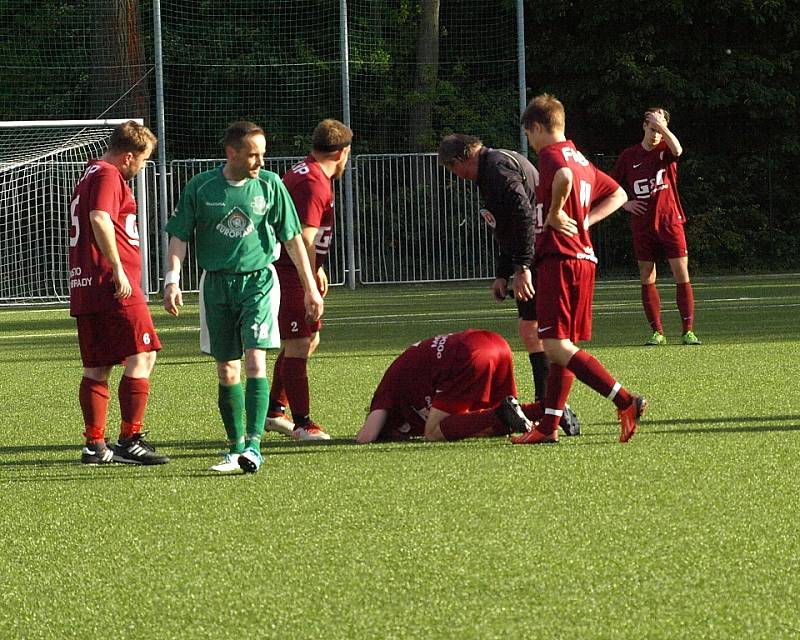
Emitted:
<point x="91" y="286"/>
<point x="651" y="177"/>
<point x="589" y="185"/>
<point x="455" y="372"/>
<point x="312" y="194"/>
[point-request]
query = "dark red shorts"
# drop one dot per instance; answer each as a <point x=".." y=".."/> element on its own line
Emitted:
<point x="108" y="338"/>
<point x="292" y="315"/>
<point x="564" y="299"/>
<point x="649" y="245"/>
<point x="480" y="373"/>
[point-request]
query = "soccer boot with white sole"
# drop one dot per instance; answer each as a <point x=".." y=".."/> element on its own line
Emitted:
<point x="136" y="450"/>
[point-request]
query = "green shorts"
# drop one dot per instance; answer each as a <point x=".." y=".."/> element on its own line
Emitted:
<point x="239" y="311"/>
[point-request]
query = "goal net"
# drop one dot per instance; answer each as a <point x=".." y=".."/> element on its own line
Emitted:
<point x="40" y="162"/>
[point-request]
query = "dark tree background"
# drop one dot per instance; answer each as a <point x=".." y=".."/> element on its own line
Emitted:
<point x="727" y="70"/>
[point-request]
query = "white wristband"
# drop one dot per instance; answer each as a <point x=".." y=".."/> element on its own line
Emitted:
<point x="172" y="277"/>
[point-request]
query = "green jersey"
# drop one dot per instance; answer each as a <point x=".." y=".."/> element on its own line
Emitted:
<point x="235" y="227"/>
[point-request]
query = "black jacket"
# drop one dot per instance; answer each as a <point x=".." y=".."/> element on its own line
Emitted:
<point x="507" y="190"/>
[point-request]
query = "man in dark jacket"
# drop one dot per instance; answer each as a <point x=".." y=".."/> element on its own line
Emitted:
<point x="506" y="181"/>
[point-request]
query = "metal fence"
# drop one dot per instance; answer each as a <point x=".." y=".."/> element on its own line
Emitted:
<point x="413" y="222"/>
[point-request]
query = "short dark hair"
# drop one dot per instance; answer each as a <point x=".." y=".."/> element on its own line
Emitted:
<point x="457" y="146"/>
<point x="236" y="133"/>
<point x="545" y="109"/>
<point x="657" y="109"/>
<point x="131" y="137"/>
<point x="331" y="135"/>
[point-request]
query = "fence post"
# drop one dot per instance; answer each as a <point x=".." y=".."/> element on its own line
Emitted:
<point x="523" y="85"/>
<point x="161" y="131"/>
<point x="350" y="252"/>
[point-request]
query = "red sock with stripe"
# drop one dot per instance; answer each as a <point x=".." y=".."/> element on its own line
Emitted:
<point x="93" y="397"/>
<point x="133" y="395"/>
<point x="559" y="383"/>
<point x="684" y="297"/>
<point x="588" y="370"/>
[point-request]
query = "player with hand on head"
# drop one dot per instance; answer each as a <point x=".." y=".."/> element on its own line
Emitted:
<point x="506" y="182"/>
<point x="649" y="173"/>
<point x="449" y="387"/>
<point x="107" y="300"/>
<point x="309" y="183"/>
<point x="235" y="212"/>
<point x="572" y="195"/>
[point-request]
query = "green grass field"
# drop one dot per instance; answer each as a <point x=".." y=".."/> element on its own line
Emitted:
<point x="688" y="531"/>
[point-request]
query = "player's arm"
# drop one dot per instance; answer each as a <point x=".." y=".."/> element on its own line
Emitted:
<point x="607" y="206"/>
<point x="660" y="123"/>
<point x="371" y="429"/>
<point x="432" y="430"/>
<point x="557" y="218"/>
<point x="296" y="249"/>
<point x="173" y="296"/>
<point x="309" y="237"/>
<point x="104" y="234"/>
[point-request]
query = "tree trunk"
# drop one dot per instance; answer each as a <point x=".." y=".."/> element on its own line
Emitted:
<point x="427" y="73"/>
<point x="119" y="86"/>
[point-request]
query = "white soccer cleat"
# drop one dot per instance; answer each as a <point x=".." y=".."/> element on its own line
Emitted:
<point x="309" y="433"/>
<point x="229" y="464"/>
<point x="279" y="423"/>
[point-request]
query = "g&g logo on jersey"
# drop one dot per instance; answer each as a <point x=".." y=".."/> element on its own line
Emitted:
<point x="488" y="218"/>
<point x="235" y="225"/>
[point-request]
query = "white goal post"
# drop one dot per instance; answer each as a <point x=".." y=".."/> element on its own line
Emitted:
<point x="40" y="162"/>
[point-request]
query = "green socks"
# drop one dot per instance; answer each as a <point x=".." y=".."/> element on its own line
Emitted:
<point x="256" y="405"/>
<point x="230" y="401"/>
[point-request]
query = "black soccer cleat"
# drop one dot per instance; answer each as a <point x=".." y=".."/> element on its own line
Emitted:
<point x="569" y="422"/>
<point x="510" y="414"/>
<point x="136" y="450"/>
<point x="97" y="453"/>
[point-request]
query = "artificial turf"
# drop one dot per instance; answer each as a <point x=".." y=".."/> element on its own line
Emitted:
<point x="688" y="531"/>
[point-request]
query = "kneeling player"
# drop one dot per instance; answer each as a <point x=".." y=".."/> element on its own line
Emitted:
<point x="448" y="387"/>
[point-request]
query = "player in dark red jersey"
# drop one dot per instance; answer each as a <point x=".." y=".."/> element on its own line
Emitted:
<point x="649" y="173"/>
<point x="106" y="298"/>
<point x="449" y="387"/>
<point x="571" y="196"/>
<point x="506" y="181"/>
<point x="309" y="182"/>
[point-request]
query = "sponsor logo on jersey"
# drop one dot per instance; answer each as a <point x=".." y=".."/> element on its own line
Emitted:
<point x="438" y="345"/>
<point x="236" y="224"/>
<point x="259" y="205"/>
<point x="215" y="204"/>
<point x="77" y="280"/>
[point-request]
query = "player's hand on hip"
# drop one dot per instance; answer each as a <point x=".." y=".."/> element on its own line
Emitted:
<point x="523" y="286"/>
<point x="173" y="298"/>
<point x="562" y="223"/>
<point x="314" y="305"/>
<point x="636" y="207"/>
<point x="122" y="286"/>
<point x="500" y="289"/>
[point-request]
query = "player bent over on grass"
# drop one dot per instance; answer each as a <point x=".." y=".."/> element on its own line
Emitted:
<point x="572" y="195"/>
<point x="506" y="183"/>
<point x="235" y="213"/>
<point x="449" y="387"/>
<point x="309" y="183"/>
<point x="106" y="298"/>
<point x="649" y="173"/>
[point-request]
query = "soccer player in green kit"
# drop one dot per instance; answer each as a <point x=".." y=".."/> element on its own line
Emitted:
<point x="237" y="214"/>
